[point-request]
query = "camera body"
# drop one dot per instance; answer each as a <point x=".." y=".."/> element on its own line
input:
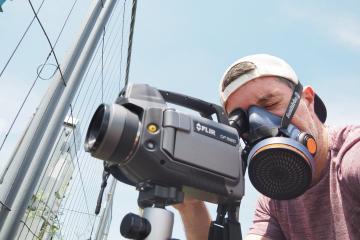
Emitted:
<point x="143" y="140"/>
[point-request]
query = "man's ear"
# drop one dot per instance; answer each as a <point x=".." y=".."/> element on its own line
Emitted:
<point x="308" y="95"/>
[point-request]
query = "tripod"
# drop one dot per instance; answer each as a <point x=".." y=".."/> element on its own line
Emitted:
<point x="156" y="223"/>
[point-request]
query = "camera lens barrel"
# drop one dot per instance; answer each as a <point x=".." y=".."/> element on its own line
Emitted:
<point x="113" y="133"/>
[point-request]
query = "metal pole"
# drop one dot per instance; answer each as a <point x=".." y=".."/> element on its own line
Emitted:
<point x="32" y="153"/>
<point x="104" y="225"/>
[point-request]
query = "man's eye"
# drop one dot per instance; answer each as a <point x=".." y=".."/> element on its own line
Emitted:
<point x="270" y="106"/>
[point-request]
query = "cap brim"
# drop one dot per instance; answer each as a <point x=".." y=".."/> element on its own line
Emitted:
<point x="320" y="108"/>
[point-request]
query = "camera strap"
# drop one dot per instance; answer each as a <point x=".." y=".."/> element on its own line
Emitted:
<point x="105" y="177"/>
<point x="292" y="106"/>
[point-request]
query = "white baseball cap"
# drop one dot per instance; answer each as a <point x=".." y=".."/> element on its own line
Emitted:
<point x="260" y="65"/>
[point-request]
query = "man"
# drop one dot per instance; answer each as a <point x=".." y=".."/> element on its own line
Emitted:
<point x="330" y="208"/>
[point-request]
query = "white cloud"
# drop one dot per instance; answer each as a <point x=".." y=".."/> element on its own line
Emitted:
<point x="349" y="34"/>
<point x="339" y="26"/>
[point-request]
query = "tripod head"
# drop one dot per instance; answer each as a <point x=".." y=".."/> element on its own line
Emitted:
<point x="158" y="196"/>
<point x="156" y="222"/>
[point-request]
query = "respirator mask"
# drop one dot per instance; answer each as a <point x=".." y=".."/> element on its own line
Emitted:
<point x="280" y="157"/>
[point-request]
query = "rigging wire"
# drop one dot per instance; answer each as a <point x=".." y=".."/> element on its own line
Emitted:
<point x="20" y="41"/>
<point x="95" y="86"/>
<point x="29" y="229"/>
<point x="73" y="193"/>
<point x="52" y="52"/>
<point x="93" y="59"/>
<point x="109" y="88"/>
<point x="77" y="160"/>
<point x="38" y="71"/>
<point x="41" y="183"/>
<point x="102" y="66"/>
<point x="122" y="44"/>
<point x="109" y="55"/>
<point x="132" y="25"/>
<point x="42" y="66"/>
<point x="48" y="39"/>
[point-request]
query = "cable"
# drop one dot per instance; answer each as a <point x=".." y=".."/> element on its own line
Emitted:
<point x="42" y="66"/>
<point x="92" y="60"/>
<point x="78" y="164"/>
<point x="106" y="89"/>
<point x="102" y="66"/>
<point x="80" y="126"/>
<point x="55" y="182"/>
<point x="92" y="228"/>
<point x="16" y="116"/>
<point x="85" y="213"/>
<point x="122" y="43"/>
<point x="48" y="39"/>
<point x="38" y="71"/>
<point x="29" y="229"/>
<point x="132" y="25"/>
<point x="73" y="187"/>
<point x="66" y="20"/>
<point x="21" y="39"/>
<point x="72" y="195"/>
<point x="108" y="60"/>
<point x="86" y="74"/>
<point x="42" y="179"/>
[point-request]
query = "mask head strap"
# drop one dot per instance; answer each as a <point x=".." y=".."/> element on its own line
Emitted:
<point x="291" y="108"/>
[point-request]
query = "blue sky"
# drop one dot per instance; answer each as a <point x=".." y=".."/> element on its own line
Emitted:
<point x="185" y="46"/>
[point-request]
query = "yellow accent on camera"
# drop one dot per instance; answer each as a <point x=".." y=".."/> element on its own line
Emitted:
<point x="152" y="128"/>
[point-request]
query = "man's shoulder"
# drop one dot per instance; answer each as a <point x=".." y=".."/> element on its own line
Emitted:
<point x="343" y="138"/>
<point x="346" y="142"/>
<point x="345" y="145"/>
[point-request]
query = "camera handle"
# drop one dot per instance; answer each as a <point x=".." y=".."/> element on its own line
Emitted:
<point x="226" y="228"/>
<point x="205" y="109"/>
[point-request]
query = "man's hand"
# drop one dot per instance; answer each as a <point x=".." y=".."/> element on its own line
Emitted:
<point x="187" y="203"/>
<point x="195" y="217"/>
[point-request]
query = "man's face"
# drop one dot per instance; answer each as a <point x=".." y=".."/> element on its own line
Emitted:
<point x="274" y="95"/>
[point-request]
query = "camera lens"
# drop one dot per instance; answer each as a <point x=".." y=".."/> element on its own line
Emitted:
<point x="113" y="133"/>
<point x="97" y="128"/>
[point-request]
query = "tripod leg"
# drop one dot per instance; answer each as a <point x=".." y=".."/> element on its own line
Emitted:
<point x="232" y="226"/>
<point x="215" y="231"/>
<point x="233" y="230"/>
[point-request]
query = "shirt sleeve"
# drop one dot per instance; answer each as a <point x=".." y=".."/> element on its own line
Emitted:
<point x="350" y="162"/>
<point x="264" y="223"/>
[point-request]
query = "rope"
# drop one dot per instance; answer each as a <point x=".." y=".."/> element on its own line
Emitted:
<point x="132" y="25"/>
